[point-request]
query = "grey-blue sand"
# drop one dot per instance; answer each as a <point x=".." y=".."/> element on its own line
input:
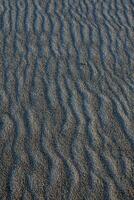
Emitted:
<point x="66" y="99"/>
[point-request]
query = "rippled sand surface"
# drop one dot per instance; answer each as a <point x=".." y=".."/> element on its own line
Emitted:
<point x="66" y="99"/>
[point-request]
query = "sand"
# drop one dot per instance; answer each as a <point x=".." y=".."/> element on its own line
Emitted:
<point x="67" y="99"/>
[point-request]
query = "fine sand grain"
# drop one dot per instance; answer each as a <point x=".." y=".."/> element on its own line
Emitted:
<point x="66" y="99"/>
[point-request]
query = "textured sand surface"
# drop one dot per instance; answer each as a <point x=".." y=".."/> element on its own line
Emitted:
<point x="67" y="99"/>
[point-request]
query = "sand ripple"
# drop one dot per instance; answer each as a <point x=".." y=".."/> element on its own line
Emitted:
<point x="66" y="99"/>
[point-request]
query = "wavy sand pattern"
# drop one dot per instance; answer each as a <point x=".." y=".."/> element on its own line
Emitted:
<point x="67" y="99"/>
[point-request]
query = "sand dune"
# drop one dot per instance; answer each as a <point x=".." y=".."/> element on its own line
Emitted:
<point x="67" y="99"/>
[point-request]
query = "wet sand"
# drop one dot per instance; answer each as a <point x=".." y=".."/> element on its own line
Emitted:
<point x="67" y="100"/>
